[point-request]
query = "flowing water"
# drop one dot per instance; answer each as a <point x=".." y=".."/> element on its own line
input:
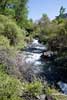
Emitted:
<point x="42" y="68"/>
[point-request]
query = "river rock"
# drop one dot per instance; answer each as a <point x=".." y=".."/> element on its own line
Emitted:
<point x="49" y="98"/>
<point x="45" y="97"/>
<point x="49" y="55"/>
<point x="41" y="97"/>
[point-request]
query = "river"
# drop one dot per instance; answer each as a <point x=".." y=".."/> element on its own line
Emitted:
<point x="40" y="67"/>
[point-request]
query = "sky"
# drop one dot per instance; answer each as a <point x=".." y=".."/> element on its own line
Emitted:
<point x="50" y="7"/>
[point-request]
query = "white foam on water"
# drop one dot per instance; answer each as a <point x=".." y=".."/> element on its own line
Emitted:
<point x="37" y="63"/>
<point x="32" y="58"/>
<point x="37" y="45"/>
<point x="63" y="86"/>
<point x="35" y="41"/>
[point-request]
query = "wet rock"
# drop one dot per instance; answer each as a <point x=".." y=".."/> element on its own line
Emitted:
<point x="41" y="97"/>
<point x="49" y="98"/>
<point x="49" y="55"/>
<point x="45" y="97"/>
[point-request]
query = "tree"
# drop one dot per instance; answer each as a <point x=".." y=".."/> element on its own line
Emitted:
<point x="43" y="23"/>
<point x="62" y="11"/>
<point x="44" y="20"/>
<point x="16" y="9"/>
<point x="61" y="17"/>
<point x="21" y="12"/>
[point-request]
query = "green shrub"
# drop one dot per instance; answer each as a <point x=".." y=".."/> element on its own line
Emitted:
<point x="10" y="88"/>
<point x="2" y="68"/>
<point x="34" y="88"/>
<point x="12" y="31"/>
<point x="4" y="42"/>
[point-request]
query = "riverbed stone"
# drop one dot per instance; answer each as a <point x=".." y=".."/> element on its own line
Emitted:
<point x="49" y="98"/>
<point x="41" y="97"/>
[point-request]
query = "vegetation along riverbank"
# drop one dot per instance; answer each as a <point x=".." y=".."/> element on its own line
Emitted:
<point x="17" y="31"/>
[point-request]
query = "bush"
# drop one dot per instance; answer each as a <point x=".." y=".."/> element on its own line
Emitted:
<point x="10" y="88"/>
<point x="9" y="29"/>
<point x="7" y="56"/>
<point x="4" y="42"/>
<point x="34" y="88"/>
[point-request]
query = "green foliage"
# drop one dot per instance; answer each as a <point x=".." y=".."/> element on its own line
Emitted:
<point x="4" y="42"/>
<point x="10" y="88"/>
<point x="11" y="31"/>
<point x="62" y="10"/>
<point x="34" y="88"/>
<point x="21" y="12"/>
<point x="47" y="29"/>
<point x="16" y="9"/>
<point x="2" y="68"/>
